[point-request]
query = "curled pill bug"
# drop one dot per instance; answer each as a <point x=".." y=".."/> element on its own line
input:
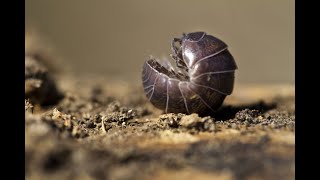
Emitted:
<point x="203" y="77"/>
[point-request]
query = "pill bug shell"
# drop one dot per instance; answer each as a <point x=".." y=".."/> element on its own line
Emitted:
<point x="204" y="75"/>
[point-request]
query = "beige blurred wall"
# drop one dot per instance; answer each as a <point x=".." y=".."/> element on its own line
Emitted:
<point x="115" y="37"/>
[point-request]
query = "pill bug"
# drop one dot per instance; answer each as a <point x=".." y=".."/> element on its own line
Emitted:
<point x="202" y="78"/>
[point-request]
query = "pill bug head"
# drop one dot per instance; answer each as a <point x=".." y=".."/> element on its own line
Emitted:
<point x="200" y="79"/>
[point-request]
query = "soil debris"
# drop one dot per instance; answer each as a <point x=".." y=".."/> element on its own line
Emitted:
<point x="190" y="122"/>
<point x="40" y="87"/>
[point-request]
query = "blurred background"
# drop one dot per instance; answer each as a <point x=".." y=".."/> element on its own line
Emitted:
<point x="114" y="37"/>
